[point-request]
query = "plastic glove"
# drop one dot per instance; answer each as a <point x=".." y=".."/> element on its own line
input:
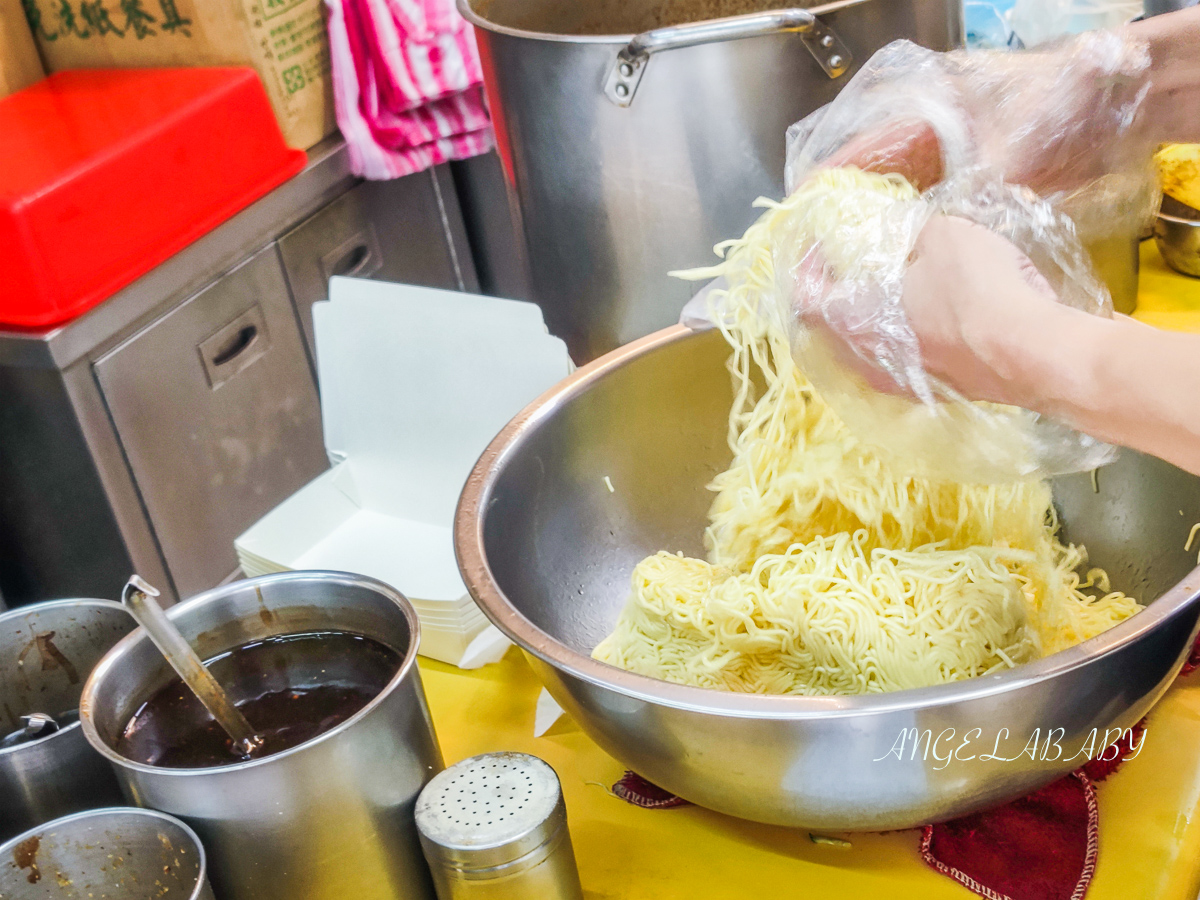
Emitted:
<point x="1052" y="119"/>
<point x="1015" y="142"/>
<point x="965" y="290"/>
<point x="988" y="325"/>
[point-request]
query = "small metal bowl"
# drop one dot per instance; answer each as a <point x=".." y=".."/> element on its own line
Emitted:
<point x="118" y="853"/>
<point x="1177" y="233"/>
<point x="46" y="653"/>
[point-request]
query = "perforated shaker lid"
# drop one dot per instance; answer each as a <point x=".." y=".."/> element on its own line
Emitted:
<point x="489" y="810"/>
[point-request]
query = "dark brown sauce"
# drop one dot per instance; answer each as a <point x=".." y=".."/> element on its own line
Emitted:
<point x="51" y="656"/>
<point x="290" y="689"/>
<point x="25" y="857"/>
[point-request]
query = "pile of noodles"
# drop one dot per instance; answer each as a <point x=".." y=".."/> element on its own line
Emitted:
<point x="827" y="573"/>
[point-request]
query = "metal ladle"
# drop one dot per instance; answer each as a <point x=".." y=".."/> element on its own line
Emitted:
<point x="138" y="597"/>
<point x="37" y="725"/>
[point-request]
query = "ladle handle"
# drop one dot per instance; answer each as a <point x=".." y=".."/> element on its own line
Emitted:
<point x="138" y="597"/>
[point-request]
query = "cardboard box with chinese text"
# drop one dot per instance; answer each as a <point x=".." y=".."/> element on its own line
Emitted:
<point x="19" y="62"/>
<point x="283" y="40"/>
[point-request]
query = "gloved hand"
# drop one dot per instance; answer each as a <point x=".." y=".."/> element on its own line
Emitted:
<point x="989" y="138"/>
<point x="978" y="303"/>
<point x="970" y="295"/>
<point x="1052" y="119"/>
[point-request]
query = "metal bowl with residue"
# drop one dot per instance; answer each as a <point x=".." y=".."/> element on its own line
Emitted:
<point x="116" y="853"/>
<point x="47" y="651"/>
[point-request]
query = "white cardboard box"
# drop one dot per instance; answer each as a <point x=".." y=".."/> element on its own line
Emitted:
<point x="415" y="383"/>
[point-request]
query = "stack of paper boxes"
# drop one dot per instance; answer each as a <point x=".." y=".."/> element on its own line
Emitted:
<point x="414" y="384"/>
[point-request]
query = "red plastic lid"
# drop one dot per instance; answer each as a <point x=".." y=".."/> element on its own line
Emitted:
<point x="104" y="174"/>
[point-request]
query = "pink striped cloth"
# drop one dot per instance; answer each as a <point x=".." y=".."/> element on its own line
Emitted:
<point x="407" y="85"/>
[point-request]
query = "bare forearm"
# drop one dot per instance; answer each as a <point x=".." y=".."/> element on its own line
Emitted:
<point x="1173" y="106"/>
<point x="1116" y="379"/>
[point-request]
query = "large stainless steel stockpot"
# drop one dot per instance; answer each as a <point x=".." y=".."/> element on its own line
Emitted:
<point x="329" y="819"/>
<point x="46" y="653"/>
<point x="546" y="548"/>
<point x="635" y="136"/>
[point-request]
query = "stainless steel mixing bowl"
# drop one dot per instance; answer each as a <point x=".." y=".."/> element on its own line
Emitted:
<point x="1177" y="233"/>
<point x="546" y="549"/>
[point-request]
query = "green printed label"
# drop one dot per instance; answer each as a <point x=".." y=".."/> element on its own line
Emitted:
<point x="138" y="19"/>
<point x="293" y="79"/>
<point x="273" y="8"/>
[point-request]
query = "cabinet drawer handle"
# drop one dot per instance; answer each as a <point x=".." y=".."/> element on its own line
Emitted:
<point x="353" y="261"/>
<point x="242" y="341"/>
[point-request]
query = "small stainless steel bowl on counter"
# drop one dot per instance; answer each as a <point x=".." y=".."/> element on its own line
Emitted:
<point x="117" y="853"/>
<point x="546" y="547"/>
<point x="47" y="768"/>
<point x="1177" y="233"/>
<point x="327" y="819"/>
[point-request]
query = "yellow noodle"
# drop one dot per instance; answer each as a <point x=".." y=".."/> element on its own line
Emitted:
<point x="827" y="573"/>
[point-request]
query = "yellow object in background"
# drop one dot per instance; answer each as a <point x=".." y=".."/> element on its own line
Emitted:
<point x="1166" y="299"/>
<point x="1179" y="172"/>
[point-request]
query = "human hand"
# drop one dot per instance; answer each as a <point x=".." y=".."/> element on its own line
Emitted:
<point x="971" y="299"/>
<point x="1055" y="118"/>
<point x="1051" y="119"/>
<point x="907" y="147"/>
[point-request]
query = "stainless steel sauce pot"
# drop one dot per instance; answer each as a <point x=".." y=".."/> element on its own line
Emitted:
<point x="46" y="653"/>
<point x="635" y="136"/>
<point x="329" y="819"/>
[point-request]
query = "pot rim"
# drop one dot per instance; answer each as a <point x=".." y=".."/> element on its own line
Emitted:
<point x="479" y="21"/>
<point x="42" y="828"/>
<point x="114" y="656"/>
<point x="480" y="582"/>
<point x="74" y="603"/>
<point x="1179" y="220"/>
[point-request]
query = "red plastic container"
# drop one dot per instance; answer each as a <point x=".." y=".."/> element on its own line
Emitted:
<point x="106" y="173"/>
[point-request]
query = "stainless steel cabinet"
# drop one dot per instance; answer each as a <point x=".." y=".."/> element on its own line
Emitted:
<point x="380" y="230"/>
<point x="216" y="410"/>
<point x="148" y="433"/>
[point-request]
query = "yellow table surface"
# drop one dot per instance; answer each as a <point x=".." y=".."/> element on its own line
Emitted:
<point x="1166" y="299"/>
<point x="1149" y="834"/>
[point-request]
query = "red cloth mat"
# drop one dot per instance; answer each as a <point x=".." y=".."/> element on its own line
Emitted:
<point x="1041" y="847"/>
<point x="633" y="788"/>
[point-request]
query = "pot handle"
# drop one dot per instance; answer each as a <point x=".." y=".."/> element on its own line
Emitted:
<point x="825" y="46"/>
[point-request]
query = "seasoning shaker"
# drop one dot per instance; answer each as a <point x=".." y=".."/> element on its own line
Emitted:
<point x="494" y="827"/>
